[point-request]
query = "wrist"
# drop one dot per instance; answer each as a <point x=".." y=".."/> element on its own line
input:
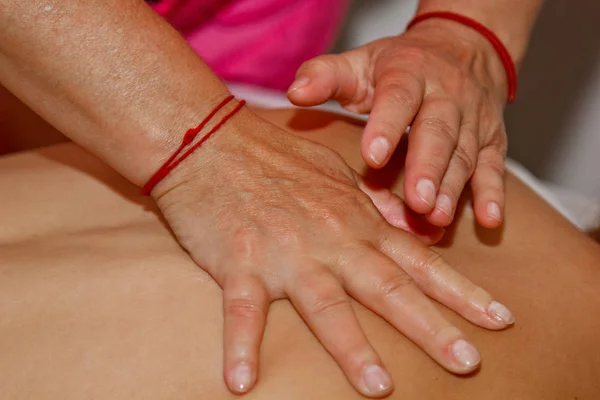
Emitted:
<point x="205" y="160"/>
<point x="154" y="134"/>
<point x="510" y="20"/>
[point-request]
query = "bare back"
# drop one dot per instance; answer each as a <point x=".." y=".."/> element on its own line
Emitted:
<point x="98" y="301"/>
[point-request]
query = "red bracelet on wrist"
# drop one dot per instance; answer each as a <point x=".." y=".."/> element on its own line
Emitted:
<point x="188" y="138"/>
<point x="509" y="65"/>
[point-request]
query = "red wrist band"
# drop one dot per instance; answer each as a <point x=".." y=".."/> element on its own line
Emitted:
<point x="509" y="65"/>
<point x="188" y="138"/>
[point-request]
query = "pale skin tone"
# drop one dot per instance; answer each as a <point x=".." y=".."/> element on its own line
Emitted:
<point x="121" y="82"/>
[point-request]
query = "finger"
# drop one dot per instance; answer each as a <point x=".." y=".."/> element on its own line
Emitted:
<point x="488" y="186"/>
<point x="431" y="142"/>
<point x="397" y="214"/>
<point x="245" y="306"/>
<point x="330" y="77"/>
<point x="396" y="101"/>
<point x="436" y="278"/>
<point x="460" y="169"/>
<point x="379" y="284"/>
<point x="326" y="308"/>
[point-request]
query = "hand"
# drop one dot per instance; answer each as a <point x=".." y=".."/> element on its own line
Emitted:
<point x="272" y="216"/>
<point x="447" y="81"/>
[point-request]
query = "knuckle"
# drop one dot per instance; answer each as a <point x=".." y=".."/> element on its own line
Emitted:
<point x="435" y="162"/>
<point x="244" y="307"/>
<point x="461" y="155"/>
<point x="493" y="121"/>
<point x="440" y="128"/>
<point x="473" y="293"/>
<point x="434" y="261"/>
<point x="401" y="95"/>
<point x="496" y="166"/>
<point x="433" y="264"/>
<point x="492" y="158"/>
<point x="327" y="304"/>
<point x="322" y="293"/>
<point x="395" y="284"/>
<point x="444" y="334"/>
<point x="244" y="244"/>
<point x="500" y="140"/>
<point x="497" y="126"/>
<point x="331" y="219"/>
<point x="336" y="214"/>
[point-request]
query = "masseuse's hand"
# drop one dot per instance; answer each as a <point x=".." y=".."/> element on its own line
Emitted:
<point x="448" y="83"/>
<point x="273" y="216"/>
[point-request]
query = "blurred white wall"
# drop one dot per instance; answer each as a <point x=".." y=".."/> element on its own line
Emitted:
<point x="554" y="127"/>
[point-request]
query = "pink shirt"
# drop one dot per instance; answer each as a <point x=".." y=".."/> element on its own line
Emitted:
<point x="260" y="42"/>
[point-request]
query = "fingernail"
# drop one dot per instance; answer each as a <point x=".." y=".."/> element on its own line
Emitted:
<point x="493" y="211"/>
<point x="379" y="149"/>
<point x="426" y="191"/>
<point x="500" y="313"/>
<point x="298" y="84"/>
<point x="444" y="204"/>
<point x="465" y="354"/>
<point x="376" y="380"/>
<point x="241" y="377"/>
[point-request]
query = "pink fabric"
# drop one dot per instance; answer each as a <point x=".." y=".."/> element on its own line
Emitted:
<point x="261" y="42"/>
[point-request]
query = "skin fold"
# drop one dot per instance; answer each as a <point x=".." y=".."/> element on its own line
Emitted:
<point x="97" y="299"/>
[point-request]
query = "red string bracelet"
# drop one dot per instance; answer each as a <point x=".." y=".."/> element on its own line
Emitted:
<point x="509" y="65"/>
<point x="188" y="138"/>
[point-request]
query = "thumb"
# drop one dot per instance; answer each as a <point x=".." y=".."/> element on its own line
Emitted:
<point x="397" y="214"/>
<point x="330" y="77"/>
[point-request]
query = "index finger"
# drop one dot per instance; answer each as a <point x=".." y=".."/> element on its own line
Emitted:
<point x="397" y="99"/>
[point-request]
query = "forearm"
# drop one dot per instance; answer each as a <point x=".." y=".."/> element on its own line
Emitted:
<point x="510" y="20"/>
<point x="110" y="74"/>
